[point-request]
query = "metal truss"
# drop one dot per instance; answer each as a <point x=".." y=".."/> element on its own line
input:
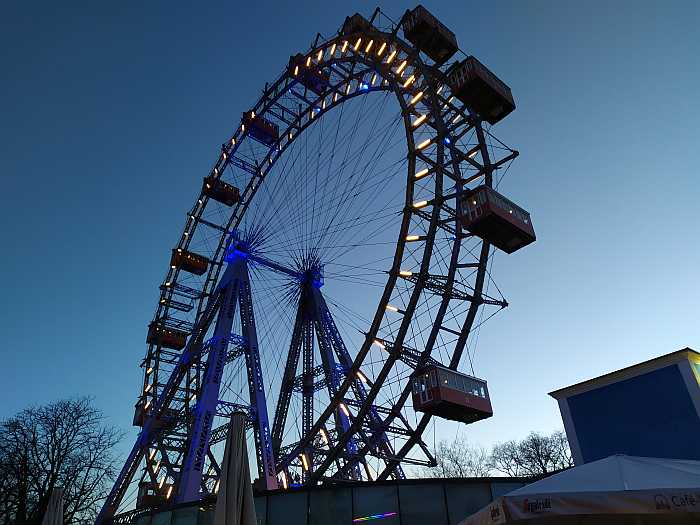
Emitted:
<point x="448" y="151"/>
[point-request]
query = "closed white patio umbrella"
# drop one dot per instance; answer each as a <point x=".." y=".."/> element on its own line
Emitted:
<point x="234" y="500"/>
<point x="54" y="510"/>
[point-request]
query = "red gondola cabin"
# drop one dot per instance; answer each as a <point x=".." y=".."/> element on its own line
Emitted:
<point x="489" y="215"/>
<point x="355" y="24"/>
<point x="429" y="34"/>
<point x="311" y="77"/>
<point x="189" y="261"/>
<point x="139" y="413"/>
<point x="260" y="128"/>
<point x="450" y="394"/>
<point x="482" y="91"/>
<point x="166" y="337"/>
<point x="167" y="418"/>
<point x="220" y="191"/>
<point x="152" y="495"/>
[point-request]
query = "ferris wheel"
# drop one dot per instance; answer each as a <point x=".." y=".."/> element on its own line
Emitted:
<point x="332" y="271"/>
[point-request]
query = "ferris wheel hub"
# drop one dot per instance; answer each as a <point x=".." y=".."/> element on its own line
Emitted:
<point x="312" y="276"/>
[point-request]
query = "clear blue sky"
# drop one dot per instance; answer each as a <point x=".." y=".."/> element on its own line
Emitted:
<point x="112" y="112"/>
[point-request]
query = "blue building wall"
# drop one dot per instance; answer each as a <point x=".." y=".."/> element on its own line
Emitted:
<point x="648" y="415"/>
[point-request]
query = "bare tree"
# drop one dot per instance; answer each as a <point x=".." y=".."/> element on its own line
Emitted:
<point x="535" y="455"/>
<point x="62" y="444"/>
<point x="459" y="459"/>
<point x="562" y="451"/>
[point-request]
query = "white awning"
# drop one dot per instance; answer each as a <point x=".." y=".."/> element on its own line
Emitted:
<point x="234" y="500"/>
<point x="650" y="490"/>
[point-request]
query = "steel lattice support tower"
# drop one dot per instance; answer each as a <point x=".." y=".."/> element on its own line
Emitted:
<point x="235" y="290"/>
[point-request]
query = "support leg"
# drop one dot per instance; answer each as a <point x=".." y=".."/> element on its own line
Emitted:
<point x="189" y="486"/>
<point x="263" y="441"/>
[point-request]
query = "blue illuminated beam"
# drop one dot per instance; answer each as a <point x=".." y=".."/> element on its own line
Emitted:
<point x="240" y="250"/>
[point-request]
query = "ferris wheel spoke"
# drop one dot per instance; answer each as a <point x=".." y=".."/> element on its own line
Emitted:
<point x="375" y="189"/>
<point x="279" y="246"/>
<point x="349" y="180"/>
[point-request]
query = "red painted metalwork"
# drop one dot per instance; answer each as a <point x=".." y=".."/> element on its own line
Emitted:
<point x="189" y="261"/>
<point x="260" y="128"/>
<point x="489" y="215"/>
<point x="220" y="191"/>
<point x="356" y="24"/>
<point x="429" y="34"/>
<point x="166" y="337"/>
<point x="475" y="85"/>
<point x="311" y="77"/>
<point x="449" y="394"/>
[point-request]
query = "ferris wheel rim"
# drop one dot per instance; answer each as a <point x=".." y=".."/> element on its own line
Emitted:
<point x="215" y="269"/>
<point x="443" y="139"/>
